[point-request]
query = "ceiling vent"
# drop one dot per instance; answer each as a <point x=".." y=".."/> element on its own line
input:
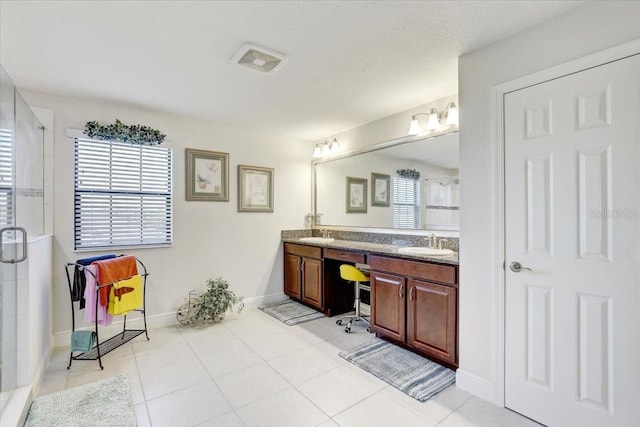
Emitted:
<point x="259" y="58"/>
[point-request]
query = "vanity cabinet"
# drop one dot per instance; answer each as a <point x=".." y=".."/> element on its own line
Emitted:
<point x="388" y="305"/>
<point x="416" y="304"/>
<point x="303" y="274"/>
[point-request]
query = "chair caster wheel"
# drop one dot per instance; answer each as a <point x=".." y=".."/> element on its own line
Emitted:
<point x="347" y="329"/>
<point x="339" y="322"/>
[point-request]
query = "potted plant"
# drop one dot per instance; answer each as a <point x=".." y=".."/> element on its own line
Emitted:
<point x="216" y="301"/>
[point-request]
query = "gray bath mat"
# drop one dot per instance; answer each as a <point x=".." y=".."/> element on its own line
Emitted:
<point x="291" y="312"/>
<point x="410" y="373"/>
<point x="103" y="403"/>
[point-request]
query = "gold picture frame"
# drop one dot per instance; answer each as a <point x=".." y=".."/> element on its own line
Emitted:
<point x="207" y="176"/>
<point x="255" y="189"/>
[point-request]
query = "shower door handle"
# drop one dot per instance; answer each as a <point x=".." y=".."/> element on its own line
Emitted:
<point x="24" y="245"/>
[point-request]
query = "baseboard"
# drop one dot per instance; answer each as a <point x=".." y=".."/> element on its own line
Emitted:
<point x="63" y="338"/>
<point x="477" y="386"/>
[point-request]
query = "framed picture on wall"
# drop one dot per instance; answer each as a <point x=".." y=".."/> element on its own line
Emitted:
<point x="356" y="199"/>
<point x="380" y="189"/>
<point x="207" y="176"/>
<point x="255" y="189"/>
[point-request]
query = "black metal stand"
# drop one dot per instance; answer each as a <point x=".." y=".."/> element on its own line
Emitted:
<point x="105" y="347"/>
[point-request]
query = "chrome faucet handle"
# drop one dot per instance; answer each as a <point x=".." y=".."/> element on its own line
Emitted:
<point x="328" y="234"/>
<point x="440" y="243"/>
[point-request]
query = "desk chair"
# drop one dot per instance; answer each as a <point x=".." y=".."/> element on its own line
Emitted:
<point x="350" y="273"/>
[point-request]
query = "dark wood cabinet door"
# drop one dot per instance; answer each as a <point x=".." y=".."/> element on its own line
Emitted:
<point x="312" y="282"/>
<point x="387" y="305"/>
<point x="431" y="319"/>
<point x="292" y="275"/>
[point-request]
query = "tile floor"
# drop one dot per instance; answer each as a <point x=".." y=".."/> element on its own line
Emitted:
<point x="252" y="370"/>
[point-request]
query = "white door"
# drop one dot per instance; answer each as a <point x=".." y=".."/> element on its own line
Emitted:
<point x="572" y="209"/>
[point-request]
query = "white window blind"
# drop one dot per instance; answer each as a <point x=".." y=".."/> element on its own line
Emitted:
<point x="6" y="178"/>
<point x="122" y="195"/>
<point x="406" y="202"/>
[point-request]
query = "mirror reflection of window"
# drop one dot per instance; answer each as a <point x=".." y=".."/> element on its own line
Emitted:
<point x="406" y="202"/>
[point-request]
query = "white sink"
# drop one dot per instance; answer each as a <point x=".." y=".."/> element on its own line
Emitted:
<point x="420" y="250"/>
<point x="317" y="239"/>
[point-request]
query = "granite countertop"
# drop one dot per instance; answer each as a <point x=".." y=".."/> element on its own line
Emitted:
<point x="378" y="249"/>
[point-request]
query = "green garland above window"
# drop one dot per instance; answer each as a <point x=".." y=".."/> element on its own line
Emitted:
<point x="118" y="131"/>
<point x="408" y="173"/>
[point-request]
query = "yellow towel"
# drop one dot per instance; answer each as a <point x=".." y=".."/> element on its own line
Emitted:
<point x="125" y="296"/>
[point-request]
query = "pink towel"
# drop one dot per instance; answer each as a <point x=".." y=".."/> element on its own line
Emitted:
<point x="104" y="318"/>
<point x="113" y="270"/>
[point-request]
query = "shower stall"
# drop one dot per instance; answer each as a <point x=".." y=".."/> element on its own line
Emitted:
<point x="21" y="224"/>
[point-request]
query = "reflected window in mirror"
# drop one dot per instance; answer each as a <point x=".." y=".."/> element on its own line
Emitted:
<point x="406" y="202"/>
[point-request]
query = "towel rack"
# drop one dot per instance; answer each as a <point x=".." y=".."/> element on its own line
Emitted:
<point x="121" y="338"/>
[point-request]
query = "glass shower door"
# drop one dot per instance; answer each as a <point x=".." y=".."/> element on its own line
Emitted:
<point x="21" y="215"/>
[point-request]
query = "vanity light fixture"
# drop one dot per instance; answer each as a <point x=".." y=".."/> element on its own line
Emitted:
<point x="325" y="148"/>
<point x="435" y="120"/>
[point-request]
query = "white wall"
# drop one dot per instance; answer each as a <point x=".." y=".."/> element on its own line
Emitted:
<point x="583" y="31"/>
<point x="211" y="239"/>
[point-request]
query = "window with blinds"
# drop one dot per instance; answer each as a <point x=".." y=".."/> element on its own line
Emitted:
<point x="122" y="195"/>
<point x="6" y="178"/>
<point x="406" y="202"/>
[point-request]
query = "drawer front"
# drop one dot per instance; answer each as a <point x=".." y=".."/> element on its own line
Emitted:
<point x="421" y="270"/>
<point x="303" y="250"/>
<point x="342" y="255"/>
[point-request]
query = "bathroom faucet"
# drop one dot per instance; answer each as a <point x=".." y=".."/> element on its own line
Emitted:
<point x="325" y="233"/>
<point x="432" y="241"/>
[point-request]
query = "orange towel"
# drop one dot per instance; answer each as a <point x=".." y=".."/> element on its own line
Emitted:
<point x="113" y="270"/>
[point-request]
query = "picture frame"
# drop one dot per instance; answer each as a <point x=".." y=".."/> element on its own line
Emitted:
<point x="356" y="195"/>
<point x="255" y="189"/>
<point x="207" y="176"/>
<point x="380" y="189"/>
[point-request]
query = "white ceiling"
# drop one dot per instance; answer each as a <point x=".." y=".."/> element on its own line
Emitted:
<point x="349" y="62"/>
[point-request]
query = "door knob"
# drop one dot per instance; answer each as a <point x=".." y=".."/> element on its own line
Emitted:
<point x="516" y="267"/>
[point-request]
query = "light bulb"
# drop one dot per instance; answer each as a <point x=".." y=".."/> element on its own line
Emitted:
<point x="414" y="127"/>
<point x="433" y="123"/>
<point x="452" y="114"/>
<point x="335" y="146"/>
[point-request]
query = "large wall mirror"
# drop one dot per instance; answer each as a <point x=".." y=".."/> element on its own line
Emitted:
<point x="364" y="188"/>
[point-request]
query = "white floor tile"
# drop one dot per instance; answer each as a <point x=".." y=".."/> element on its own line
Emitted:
<point x="230" y="419"/>
<point x="336" y="390"/>
<point x="377" y="411"/>
<point x="285" y="408"/>
<point x="169" y="378"/>
<point x="209" y="338"/>
<point x="315" y="332"/>
<point x="304" y="381"/>
<point x="328" y="423"/>
<point x="188" y="407"/>
<point x="250" y="384"/>
<point x="302" y="365"/>
<point x="142" y="417"/>
<point x="433" y="410"/>
<point x="477" y="412"/>
<point x="228" y="360"/>
<point x="253" y="325"/>
<point x="272" y="346"/>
